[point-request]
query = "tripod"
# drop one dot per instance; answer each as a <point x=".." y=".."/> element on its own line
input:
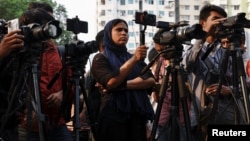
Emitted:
<point x="178" y="92"/>
<point x="238" y="77"/>
<point x="21" y="86"/>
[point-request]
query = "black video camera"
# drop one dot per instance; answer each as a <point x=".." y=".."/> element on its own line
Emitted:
<point x="77" y="51"/>
<point x="171" y="32"/>
<point x="232" y="25"/>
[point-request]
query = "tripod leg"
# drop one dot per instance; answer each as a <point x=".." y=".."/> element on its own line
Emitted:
<point x="183" y="96"/>
<point x="41" y="117"/>
<point x="77" y="125"/>
<point x="162" y="94"/>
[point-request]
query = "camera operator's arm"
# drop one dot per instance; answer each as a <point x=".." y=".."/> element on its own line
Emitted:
<point x="125" y="69"/>
<point x="11" y="41"/>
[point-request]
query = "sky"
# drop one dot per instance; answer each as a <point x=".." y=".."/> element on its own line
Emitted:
<point x="86" y="11"/>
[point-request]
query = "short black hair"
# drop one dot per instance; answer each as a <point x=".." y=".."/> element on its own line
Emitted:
<point x="38" y="16"/>
<point x="206" y="9"/>
<point x="43" y="5"/>
<point x="99" y="37"/>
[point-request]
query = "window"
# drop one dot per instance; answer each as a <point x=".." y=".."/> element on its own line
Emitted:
<point x="236" y="7"/>
<point x="103" y="2"/>
<point x="130" y="1"/>
<point x="130" y="12"/>
<point x="122" y="13"/>
<point x="151" y="2"/>
<point x="150" y="34"/>
<point x="130" y="23"/>
<point x="186" y="7"/>
<point x="196" y="7"/>
<point x="102" y="13"/>
<point x="102" y="23"/>
<point x="130" y="45"/>
<point x="131" y="34"/>
<point x="122" y="2"/>
<point x="161" y="2"/>
<point x="161" y="13"/>
<point x="196" y="17"/>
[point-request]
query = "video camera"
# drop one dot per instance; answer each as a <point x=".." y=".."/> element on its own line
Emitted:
<point x="171" y="32"/>
<point x="232" y="25"/>
<point x="78" y="50"/>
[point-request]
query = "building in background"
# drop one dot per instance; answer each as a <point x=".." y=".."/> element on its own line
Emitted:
<point x="165" y="10"/>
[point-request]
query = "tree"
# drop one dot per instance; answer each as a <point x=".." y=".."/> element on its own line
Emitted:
<point x="11" y="9"/>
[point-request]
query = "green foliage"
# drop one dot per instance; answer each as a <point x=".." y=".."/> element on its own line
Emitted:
<point x="11" y="9"/>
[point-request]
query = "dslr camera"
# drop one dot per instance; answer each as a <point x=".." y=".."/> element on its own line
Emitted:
<point x="32" y="32"/>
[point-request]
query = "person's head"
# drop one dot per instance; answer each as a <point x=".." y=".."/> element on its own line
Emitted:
<point x="99" y="40"/>
<point x="210" y="16"/>
<point x="43" y="5"/>
<point x="239" y="33"/>
<point x="116" y="34"/>
<point x="158" y="45"/>
<point x="225" y="42"/>
<point x="38" y="16"/>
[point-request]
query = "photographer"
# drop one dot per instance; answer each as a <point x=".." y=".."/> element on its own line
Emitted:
<point x="125" y="107"/>
<point x="9" y="43"/>
<point x="204" y="74"/>
<point x="49" y="63"/>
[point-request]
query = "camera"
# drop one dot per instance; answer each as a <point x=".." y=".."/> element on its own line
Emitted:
<point x="79" y="49"/>
<point x="166" y="36"/>
<point x="145" y="19"/>
<point x="77" y="26"/>
<point x="232" y="25"/>
<point x="35" y="32"/>
<point x="32" y="32"/>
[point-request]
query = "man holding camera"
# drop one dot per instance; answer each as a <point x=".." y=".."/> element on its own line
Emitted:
<point x="203" y="63"/>
<point x="8" y="122"/>
<point x="49" y="64"/>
